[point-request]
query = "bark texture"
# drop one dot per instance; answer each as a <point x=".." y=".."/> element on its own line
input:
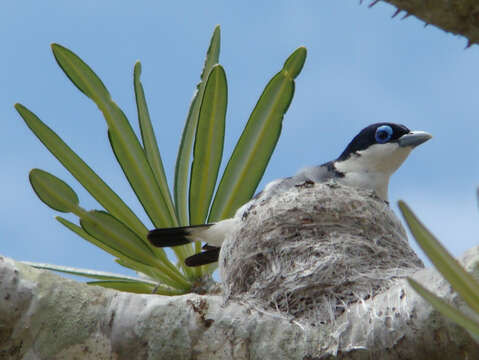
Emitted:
<point x="459" y="17"/>
<point x="43" y="316"/>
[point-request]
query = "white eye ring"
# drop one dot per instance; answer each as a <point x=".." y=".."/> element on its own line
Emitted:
<point x="383" y="134"/>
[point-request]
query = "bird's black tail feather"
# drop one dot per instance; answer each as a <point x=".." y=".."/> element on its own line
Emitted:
<point x="173" y="236"/>
<point x="205" y="257"/>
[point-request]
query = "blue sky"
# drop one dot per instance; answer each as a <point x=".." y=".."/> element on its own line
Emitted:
<point x="362" y="67"/>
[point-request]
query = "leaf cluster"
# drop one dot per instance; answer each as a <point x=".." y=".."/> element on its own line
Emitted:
<point x="115" y="228"/>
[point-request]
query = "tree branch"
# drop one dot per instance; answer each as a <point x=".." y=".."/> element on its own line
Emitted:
<point x="460" y="17"/>
<point x="44" y="316"/>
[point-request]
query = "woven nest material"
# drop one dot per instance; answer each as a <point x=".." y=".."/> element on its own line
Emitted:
<point x="313" y="250"/>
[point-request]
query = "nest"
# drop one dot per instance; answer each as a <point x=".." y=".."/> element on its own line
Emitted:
<point x="314" y="250"/>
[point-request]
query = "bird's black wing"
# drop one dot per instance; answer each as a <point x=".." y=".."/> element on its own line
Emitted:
<point x="204" y="258"/>
<point x="173" y="236"/>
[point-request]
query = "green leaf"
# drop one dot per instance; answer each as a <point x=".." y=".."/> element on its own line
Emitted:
<point x="128" y="286"/>
<point x="444" y="308"/>
<point x="184" y="152"/>
<point x="139" y="287"/>
<point x="208" y="148"/>
<point x="254" y="148"/>
<point x="110" y="278"/>
<point x="149" y="140"/>
<point x="136" y="185"/>
<point x="92" y="274"/>
<point x="159" y="273"/>
<point x="460" y="280"/>
<point x="114" y="234"/>
<point x="82" y="233"/>
<point x="294" y="63"/>
<point x="153" y="272"/>
<point x="154" y="158"/>
<point x="54" y="192"/>
<point x="114" y="281"/>
<point x="128" y="150"/>
<point x="80" y="74"/>
<point x="82" y="172"/>
<point x="103" y="226"/>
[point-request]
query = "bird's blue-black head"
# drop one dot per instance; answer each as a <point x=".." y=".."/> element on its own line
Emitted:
<point x="379" y="133"/>
<point x="375" y="154"/>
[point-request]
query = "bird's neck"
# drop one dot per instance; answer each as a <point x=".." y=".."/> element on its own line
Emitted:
<point x="376" y="181"/>
<point x="364" y="177"/>
<point x="371" y="168"/>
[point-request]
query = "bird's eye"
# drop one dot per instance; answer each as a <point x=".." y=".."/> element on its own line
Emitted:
<point x="383" y="134"/>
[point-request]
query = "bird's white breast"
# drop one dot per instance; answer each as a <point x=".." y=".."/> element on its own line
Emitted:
<point x="372" y="168"/>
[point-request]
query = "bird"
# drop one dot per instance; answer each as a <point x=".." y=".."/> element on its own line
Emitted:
<point x="367" y="162"/>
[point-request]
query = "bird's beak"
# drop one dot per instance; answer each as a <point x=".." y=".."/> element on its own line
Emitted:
<point x="414" y="138"/>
